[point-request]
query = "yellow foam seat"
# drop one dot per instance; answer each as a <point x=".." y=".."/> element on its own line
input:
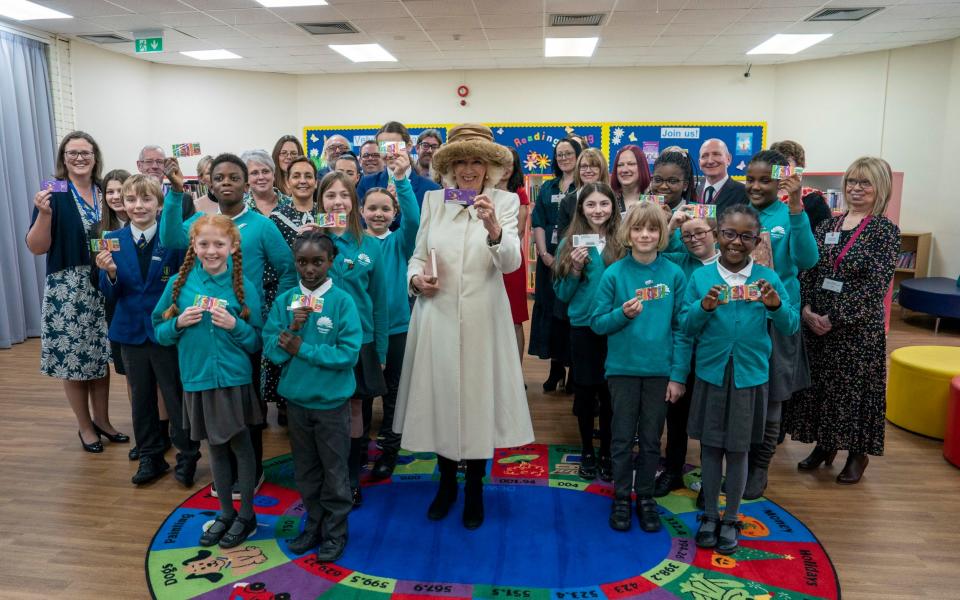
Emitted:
<point x="918" y="387"/>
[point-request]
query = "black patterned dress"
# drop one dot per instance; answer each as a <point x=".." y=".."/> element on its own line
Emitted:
<point x="844" y="407"/>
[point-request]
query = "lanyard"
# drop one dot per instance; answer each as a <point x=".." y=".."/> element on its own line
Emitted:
<point x="850" y="242"/>
<point x="92" y="213"/>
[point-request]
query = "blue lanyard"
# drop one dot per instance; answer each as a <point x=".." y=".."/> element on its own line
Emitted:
<point x="92" y="213"/>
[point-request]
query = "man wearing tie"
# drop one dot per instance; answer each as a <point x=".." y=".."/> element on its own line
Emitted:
<point x="718" y="188"/>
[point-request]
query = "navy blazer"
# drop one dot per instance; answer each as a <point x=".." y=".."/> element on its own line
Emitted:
<point x="136" y="297"/>
<point x="732" y="193"/>
<point x="421" y="185"/>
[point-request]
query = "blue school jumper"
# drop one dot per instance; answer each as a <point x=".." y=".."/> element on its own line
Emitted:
<point x="579" y="292"/>
<point x="793" y="244"/>
<point x="359" y="270"/>
<point x="419" y="184"/>
<point x="397" y="248"/>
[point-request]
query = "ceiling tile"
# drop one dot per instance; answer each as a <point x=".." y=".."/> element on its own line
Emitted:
<point x="281" y="28"/>
<point x="719" y="4"/>
<point x="380" y="10"/>
<point x="759" y="27"/>
<point x="451" y="24"/>
<point x="440" y="8"/>
<point x="622" y="18"/>
<point x="493" y="7"/>
<point x="127" y="22"/>
<point x="252" y="16"/>
<point x="769" y="15"/>
<point x="308" y="14"/>
<point x="513" y="34"/>
<point x="386" y="25"/>
<point x="85" y="8"/>
<point x="205" y="5"/>
<point x="476" y="44"/>
<point x="517" y="44"/>
<point x="146" y="7"/>
<point x="73" y="26"/>
<point x="711" y="18"/>
<point x="512" y="20"/>
<point x="189" y="19"/>
<point x="651" y="5"/>
<point x="578" y="6"/>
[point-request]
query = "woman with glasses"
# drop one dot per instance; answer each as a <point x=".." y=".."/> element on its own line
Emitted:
<point x="591" y="168"/>
<point x="631" y="176"/>
<point x="843" y="314"/>
<point x="73" y="338"/>
<point x="550" y="336"/>
<point x="285" y="150"/>
<point x="788" y="247"/>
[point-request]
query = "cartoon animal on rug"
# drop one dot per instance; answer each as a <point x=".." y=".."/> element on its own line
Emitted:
<point x="239" y="560"/>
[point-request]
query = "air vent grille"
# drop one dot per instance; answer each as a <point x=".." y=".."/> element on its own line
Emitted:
<point x="575" y="20"/>
<point x="104" y="38"/>
<point x="844" y="14"/>
<point x="328" y="28"/>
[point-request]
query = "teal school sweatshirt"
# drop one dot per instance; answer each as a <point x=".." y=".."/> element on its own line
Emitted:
<point x="397" y="248"/>
<point x="579" y="291"/>
<point x="359" y="270"/>
<point x="794" y="247"/>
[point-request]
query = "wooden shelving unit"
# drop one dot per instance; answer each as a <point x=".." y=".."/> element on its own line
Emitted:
<point x="919" y="245"/>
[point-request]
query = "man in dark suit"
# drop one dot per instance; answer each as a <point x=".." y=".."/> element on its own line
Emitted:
<point x="717" y="187"/>
<point x="393" y="131"/>
<point x="150" y="163"/>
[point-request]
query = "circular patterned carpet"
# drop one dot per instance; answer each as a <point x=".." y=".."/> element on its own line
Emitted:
<point x="545" y="537"/>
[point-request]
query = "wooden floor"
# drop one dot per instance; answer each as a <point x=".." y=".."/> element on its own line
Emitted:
<point x="72" y="525"/>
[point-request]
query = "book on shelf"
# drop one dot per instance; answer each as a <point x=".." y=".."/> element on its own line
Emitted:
<point x="907" y="260"/>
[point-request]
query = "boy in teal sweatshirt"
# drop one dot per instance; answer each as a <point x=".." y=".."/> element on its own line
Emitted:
<point x="314" y="332"/>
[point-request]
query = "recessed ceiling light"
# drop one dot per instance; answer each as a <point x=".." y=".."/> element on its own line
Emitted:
<point x="556" y="47"/>
<point x="22" y="10"/>
<point x="789" y="43"/>
<point x="288" y="3"/>
<point x="211" y="54"/>
<point x="363" y="52"/>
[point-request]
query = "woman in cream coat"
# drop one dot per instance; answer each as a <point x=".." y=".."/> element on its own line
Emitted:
<point x="461" y="392"/>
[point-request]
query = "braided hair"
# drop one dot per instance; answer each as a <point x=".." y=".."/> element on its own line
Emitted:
<point x="685" y="163"/>
<point x="771" y="157"/>
<point x="228" y="227"/>
<point x="739" y="209"/>
<point x="315" y="236"/>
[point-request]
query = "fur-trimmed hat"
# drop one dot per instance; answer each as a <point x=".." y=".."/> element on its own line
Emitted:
<point x="471" y="140"/>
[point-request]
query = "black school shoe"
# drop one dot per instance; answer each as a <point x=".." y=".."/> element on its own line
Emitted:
<point x="649" y="515"/>
<point x="186" y="470"/>
<point x="605" y="468"/>
<point x="588" y="467"/>
<point x="239" y="531"/>
<point x="306" y="541"/>
<point x="357" y="497"/>
<point x="666" y="483"/>
<point x="134" y="453"/>
<point x="331" y="550"/>
<point x="727" y="536"/>
<point x="211" y="537"/>
<point x="620" y="516"/>
<point x="707" y="534"/>
<point x="383" y="468"/>
<point x="150" y="468"/>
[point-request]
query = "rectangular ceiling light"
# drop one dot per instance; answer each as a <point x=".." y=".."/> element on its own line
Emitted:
<point x="22" y="10"/>
<point x="211" y="54"/>
<point x="789" y="43"/>
<point x="363" y="52"/>
<point x="557" y="47"/>
<point x="290" y="3"/>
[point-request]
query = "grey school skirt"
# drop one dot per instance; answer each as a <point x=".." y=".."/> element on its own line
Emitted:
<point x="789" y="368"/>
<point x="725" y="416"/>
<point x="369" y="375"/>
<point x="219" y="414"/>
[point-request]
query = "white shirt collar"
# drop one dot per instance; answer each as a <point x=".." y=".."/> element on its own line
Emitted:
<point x="738" y="278"/>
<point x="149" y="232"/>
<point x="242" y="212"/>
<point x="320" y="291"/>
<point x="384" y="235"/>
<point x="712" y="259"/>
<point x="716" y="186"/>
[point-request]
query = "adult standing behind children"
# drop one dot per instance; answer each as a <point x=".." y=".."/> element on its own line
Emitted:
<point x="718" y="187"/>
<point x="73" y="338"/>
<point x="461" y="394"/>
<point x="393" y="131"/>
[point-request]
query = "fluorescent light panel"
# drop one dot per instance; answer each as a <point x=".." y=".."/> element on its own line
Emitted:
<point x="22" y="10"/>
<point x="289" y="3"/>
<point x="211" y="54"/>
<point x="556" y="47"/>
<point x="789" y="43"/>
<point x="363" y="52"/>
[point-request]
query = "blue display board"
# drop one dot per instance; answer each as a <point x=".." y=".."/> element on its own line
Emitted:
<point x="742" y="139"/>
<point x="534" y="142"/>
<point x="314" y="137"/>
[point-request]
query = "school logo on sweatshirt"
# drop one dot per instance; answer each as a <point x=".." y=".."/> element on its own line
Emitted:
<point x="778" y="232"/>
<point x="363" y="259"/>
<point x="324" y="324"/>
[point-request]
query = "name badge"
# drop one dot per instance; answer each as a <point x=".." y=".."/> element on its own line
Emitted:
<point x="832" y="285"/>
<point x="553" y="238"/>
<point x="832" y="238"/>
<point x="556" y="198"/>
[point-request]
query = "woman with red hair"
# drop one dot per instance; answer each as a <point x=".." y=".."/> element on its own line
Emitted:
<point x="630" y="177"/>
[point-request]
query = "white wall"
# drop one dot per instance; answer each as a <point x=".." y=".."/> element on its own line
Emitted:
<point x="903" y="105"/>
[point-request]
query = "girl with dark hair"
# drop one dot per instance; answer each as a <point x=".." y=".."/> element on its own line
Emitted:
<point x="285" y="150"/>
<point x="630" y="177"/>
<point x="673" y="178"/>
<point x="578" y="271"/>
<point x="73" y="338"/>
<point x="728" y="406"/>
<point x="114" y="215"/>
<point x="211" y="312"/>
<point x="314" y="332"/>
<point x="516" y="282"/>
<point x="549" y="336"/>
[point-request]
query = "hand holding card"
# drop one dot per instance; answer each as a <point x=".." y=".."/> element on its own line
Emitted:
<point x="55" y="185"/>
<point x="171" y="168"/>
<point x="712" y="298"/>
<point x="104" y="244"/>
<point x="458" y="196"/>
<point x="768" y="295"/>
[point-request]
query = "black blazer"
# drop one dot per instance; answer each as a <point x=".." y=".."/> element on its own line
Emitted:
<point x="733" y="192"/>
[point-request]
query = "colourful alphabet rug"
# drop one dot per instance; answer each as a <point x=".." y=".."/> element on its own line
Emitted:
<point x="545" y="537"/>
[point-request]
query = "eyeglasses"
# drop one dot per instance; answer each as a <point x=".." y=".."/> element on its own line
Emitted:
<point x="337" y="148"/>
<point x="288" y="153"/>
<point x="369" y="155"/>
<point x="863" y="183"/>
<point x="669" y="181"/>
<point x="156" y="162"/>
<point x="565" y="155"/>
<point x="589" y="168"/>
<point x="698" y="235"/>
<point x="75" y="154"/>
<point x="746" y="237"/>
<point x="427" y="146"/>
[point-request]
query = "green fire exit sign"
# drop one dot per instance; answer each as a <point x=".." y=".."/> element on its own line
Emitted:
<point x="153" y="44"/>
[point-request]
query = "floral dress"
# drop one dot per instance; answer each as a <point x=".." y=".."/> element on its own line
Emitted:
<point x="73" y="336"/>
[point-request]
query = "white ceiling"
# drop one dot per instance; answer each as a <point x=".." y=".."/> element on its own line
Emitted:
<point x="491" y="34"/>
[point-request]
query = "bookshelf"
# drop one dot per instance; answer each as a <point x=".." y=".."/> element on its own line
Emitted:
<point x="533" y="183"/>
<point x="914" y="258"/>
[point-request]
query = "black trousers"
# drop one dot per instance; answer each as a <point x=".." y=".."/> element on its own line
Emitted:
<point x="149" y="366"/>
<point x="677" y="415"/>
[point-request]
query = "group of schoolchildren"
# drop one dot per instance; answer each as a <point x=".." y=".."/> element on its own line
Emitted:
<point x="190" y="312"/>
<point x="671" y="315"/>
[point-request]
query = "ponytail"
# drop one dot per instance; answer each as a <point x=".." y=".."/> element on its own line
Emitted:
<point x="238" y="283"/>
<point x="187" y="266"/>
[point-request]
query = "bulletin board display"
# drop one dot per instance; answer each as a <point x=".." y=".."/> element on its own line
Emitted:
<point x="315" y="137"/>
<point x="534" y="142"/>
<point x="743" y="139"/>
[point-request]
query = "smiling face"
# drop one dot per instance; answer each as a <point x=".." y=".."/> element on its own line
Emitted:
<point x="336" y="146"/>
<point x="151" y="163"/>
<point x="337" y="198"/>
<point x="312" y="262"/>
<point x="425" y="149"/>
<point x="370" y="158"/>
<point x="348" y="168"/>
<point x="859" y="193"/>
<point x="260" y="177"/>
<point x="378" y="212"/>
<point x="79" y="158"/>
<point x="288" y="152"/>
<point x="212" y="246"/>
<point x="597" y="209"/>
<point x="566" y="157"/>
<point x="228" y="183"/>
<point x="699" y="238"/>
<point x="714" y="160"/>
<point x="301" y="181"/>
<point x="114" y="196"/>
<point x="668" y="180"/>
<point x="628" y="170"/>
<point x="470" y="174"/>
<point x="590" y="171"/>
<point x="738" y="238"/>
<point x="761" y="187"/>
<point x="644" y="237"/>
<point x="142" y="209"/>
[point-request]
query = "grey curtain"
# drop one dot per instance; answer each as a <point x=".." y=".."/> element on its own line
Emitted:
<point x="27" y="148"/>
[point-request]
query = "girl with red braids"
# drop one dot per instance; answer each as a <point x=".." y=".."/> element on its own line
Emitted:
<point x="212" y="313"/>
